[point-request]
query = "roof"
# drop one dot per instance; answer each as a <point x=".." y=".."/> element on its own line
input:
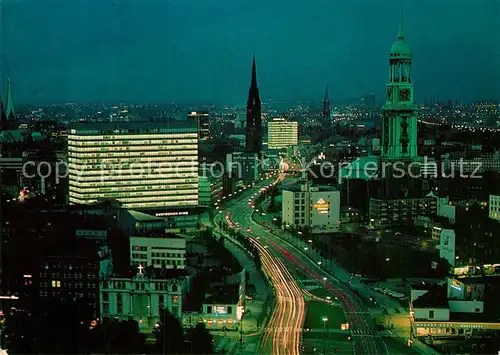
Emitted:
<point x="400" y="48"/>
<point x="95" y="128"/>
<point x="436" y="298"/>
<point x="227" y="294"/>
<point x="144" y="217"/>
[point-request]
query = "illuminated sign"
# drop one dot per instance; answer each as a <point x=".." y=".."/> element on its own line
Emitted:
<point x="457" y="285"/>
<point x="220" y="310"/>
<point x="239" y="312"/>
<point x="169" y="214"/>
<point x="322" y="206"/>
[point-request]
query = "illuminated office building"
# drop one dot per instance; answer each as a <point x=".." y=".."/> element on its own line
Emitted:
<point x="204" y="125"/>
<point x="143" y="165"/>
<point x="282" y="134"/>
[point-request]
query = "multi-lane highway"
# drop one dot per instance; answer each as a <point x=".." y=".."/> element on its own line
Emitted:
<point x="285" y="264"/>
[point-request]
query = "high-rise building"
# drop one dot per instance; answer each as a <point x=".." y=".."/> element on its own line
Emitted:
<point x="143" y="165"/>
<point x="399" y="131"/>
<point x="282" y="134"/>
<point x="203" y="122"/>
<point x="326" y="105"/>
<point x="254" y="116"/>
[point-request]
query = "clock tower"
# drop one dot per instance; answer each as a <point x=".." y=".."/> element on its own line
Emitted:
<point x="399" y="128"/>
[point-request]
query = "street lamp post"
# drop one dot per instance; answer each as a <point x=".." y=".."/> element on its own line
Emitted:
<point x="241" y="330"/>
<point x="325" y="319"/>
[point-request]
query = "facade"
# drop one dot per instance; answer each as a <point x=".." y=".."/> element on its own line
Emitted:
<point x="144" y="165"/>
<point x="399" y="130"/>
<point x="400" y="211"/>
<point x="282" y="134"/>
<point x="472" y="167"/>
<point x="447" y="249"/>
<point x="163" y="251"/>
<point x="71" y="276"/>
<point x="142" y="298"/>
<point x="494" y="207"/>
<point x="203" y="123"/>
<point x="317" y="208"/>
<point x="254" y="116"/>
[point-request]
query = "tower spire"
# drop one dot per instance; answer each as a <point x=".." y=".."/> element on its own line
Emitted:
<point x="254" y="119"/>
<point x="401" y="33"/>
<point x="254" y="74"/>
<point x="10" y="111"/>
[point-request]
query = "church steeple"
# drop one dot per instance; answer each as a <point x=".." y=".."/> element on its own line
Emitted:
<point x="253" y="84"/>
<point x="10" y="111"/>
<point x="399" y="131"/>
<point x="326" y="104"/>
<point x="254" y="118"/>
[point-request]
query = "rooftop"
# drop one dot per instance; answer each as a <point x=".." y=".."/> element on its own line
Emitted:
<point x="227" y="294"/>
<point x="95" y="128"/>
<point x="436" y="298"/>
<point x="143" y="217"/>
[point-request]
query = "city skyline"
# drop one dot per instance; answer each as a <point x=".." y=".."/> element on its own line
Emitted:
<point x="207" y="58"/>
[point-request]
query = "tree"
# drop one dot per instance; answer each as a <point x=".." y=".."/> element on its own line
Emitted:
<point x="200" y="340"/>
<point x="169" y="334"/>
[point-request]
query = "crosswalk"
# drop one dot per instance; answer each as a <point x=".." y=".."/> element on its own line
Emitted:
<point x="365" y="332"/>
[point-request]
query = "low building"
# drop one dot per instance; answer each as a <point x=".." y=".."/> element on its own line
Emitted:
<point x="494" y="207"/>
<point x="143" y="297"/>
<point x="400" y="211"/>
<point x="223" y="306"/>
<point x="159" y="250"/>
<point x="313" y="207"/>
<point x="350" y="215"/>
<point x="454" y="309"/>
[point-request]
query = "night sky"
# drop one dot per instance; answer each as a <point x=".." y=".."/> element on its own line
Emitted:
<point x="201" y="50"/>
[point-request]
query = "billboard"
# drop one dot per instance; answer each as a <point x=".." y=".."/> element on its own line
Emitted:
<point x="322" y="206"/>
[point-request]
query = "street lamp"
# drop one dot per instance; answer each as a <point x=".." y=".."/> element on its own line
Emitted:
<point x="324" y="319"/>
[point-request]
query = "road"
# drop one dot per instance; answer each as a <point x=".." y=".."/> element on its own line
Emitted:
<point x="284" y="264"/>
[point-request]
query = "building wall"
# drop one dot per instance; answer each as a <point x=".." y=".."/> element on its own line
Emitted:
<point x="288" y="207"/>
<point x="447" y="245"/>
<point x="494" y="207"/>
<point x="140" y="168"/>
<point x="158" y="252"/>
<point x="317" y="210"/>
<point x="324" y="220"/>
<point x="466" y="306"/>
<point x="386" y="212"/>
<point x="440" y="314"/>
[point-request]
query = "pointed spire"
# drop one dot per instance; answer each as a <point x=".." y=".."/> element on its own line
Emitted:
<point x="326" y="94"/>
<point x="10" y="111"/>
<point x="254" y="74"/>
<point x="401" y="33"/>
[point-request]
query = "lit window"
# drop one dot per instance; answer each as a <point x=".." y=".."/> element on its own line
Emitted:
<point x="56" y="283"/>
